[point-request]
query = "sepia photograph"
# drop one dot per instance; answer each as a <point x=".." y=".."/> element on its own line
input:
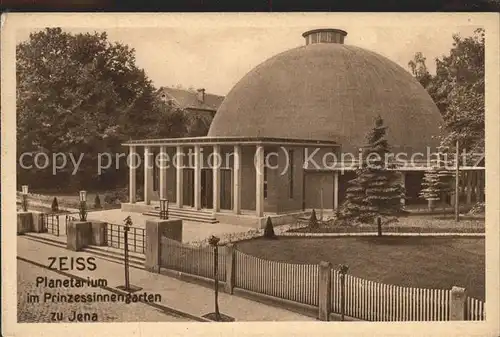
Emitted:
<point x="310" y="168"/>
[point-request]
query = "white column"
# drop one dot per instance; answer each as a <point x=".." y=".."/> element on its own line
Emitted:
<point x="179" y="156"/>
<point x="216" y="163"/>
<point x="237" y="180"/>
<point x="132" y="186"/>
<point x="148" y="174"/>
<point x="259" y="181"/>
<point x="335" y="190"/>
<point x="197" y="177"/>
<point x="163" y="172"/>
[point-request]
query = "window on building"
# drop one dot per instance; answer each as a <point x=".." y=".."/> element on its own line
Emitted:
<point x="290" y="172"/>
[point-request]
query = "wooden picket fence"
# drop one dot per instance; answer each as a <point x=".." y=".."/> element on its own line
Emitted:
<point x="192" y="260"/>
<point x="364" y="299"/>
<point x="374" y="301"/>
<point x="293" y="282"/>
<point x="474" y="310"/>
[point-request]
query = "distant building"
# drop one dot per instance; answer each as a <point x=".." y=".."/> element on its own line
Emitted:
<point x="198" y="101"/>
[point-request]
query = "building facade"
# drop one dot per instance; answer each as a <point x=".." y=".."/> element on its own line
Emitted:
<point x="287" y="137"/>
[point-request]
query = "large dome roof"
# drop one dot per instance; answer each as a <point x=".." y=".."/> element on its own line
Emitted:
<point x="329" y="91"/>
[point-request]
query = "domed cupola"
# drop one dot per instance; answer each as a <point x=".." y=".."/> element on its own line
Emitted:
<point x="328" y="90"/>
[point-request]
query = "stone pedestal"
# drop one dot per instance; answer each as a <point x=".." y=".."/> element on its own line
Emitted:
<point x="79" y="234"/>
<point x="325" y="289"/>
<point x="24" y="222"/>
<point x="38" y="225"/>
<point x="99" y="233"/>
<point x="155" y="230"/>
<point x="457" y="304"/>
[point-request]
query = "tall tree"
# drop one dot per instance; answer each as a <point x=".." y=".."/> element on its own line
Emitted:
<point x="376" y="190"/>
<point x="457" y="88"/>
<point x="419" y="69"/>
<point x="81" y="94"/>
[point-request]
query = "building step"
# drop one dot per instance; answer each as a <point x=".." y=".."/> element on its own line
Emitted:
<point x="116" y="255"/>
<point x="186" y="210"/>
<point x="110" y="254"/>
<point x="44" y="239"/>
<point x="186" y="214"/>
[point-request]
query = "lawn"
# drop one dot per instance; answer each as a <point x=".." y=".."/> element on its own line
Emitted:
<point x="425" y="262"/>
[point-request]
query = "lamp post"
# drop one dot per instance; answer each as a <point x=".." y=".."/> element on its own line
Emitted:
<point x="83" y="206"/>
<point x="25" y="198"/>
<point x="214" y="242"/>
<point x="343" y="270"/>
<point x="379" y="226"/>
<point x="126" y="229"/>
<point x="130" y="288"/>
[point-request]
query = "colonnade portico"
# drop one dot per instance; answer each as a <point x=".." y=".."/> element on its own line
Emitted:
<point x="227" y="192"/>
<point x="149" y="161"/>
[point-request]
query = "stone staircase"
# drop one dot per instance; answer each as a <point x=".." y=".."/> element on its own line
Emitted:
<point x="110" y="254"/>
<point x="188" y="214"/>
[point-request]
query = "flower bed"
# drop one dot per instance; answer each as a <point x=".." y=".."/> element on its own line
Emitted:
<point x="389" y="229"/>
<point x="248" y="235"/>
<point x="404" y="225"/>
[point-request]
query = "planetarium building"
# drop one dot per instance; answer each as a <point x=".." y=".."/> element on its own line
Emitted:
<point x="286" y="138"/>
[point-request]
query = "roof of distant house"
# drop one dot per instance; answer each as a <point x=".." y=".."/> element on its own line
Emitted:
<point x="193" y="99"/>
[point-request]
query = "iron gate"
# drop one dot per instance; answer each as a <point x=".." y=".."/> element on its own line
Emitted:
<point x="51" y="223"/>
<point x="136" y="237"/>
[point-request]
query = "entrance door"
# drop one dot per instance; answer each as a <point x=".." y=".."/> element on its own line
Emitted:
<point x="207" y="188"/>
<point x="226" y="195"/>
<point x="188" y="186"/>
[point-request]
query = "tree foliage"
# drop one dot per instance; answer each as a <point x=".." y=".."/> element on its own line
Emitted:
<point x="376" y="190"/>
<point x="82" y="94"/>
<point x="438" y="181"/>
<point x="457" y="88"/>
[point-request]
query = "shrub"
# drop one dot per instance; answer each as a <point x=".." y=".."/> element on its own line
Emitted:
<point x="269" y="230"/>
<point x="139" y="194"/>
<point x="478" y="208"/>
<point x="313" y="220"/>
<point x="55" y="205"/>
<point x="110" y="198"/>
<point x="116" y="196"/>
<point x="97" y="201"/>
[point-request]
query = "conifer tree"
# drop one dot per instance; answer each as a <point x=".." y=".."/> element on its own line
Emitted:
<point x="269" y="229"/>
<point x="437" y="181"/>
<point x="376" y="190"/>
<point x="55" y="205"/>
<point x="313" y="220"/>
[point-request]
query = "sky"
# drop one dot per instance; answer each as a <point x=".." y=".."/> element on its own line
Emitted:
<point x="216" y="58"/>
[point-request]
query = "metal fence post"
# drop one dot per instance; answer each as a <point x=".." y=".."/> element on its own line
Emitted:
<point x="125" y="237"/>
